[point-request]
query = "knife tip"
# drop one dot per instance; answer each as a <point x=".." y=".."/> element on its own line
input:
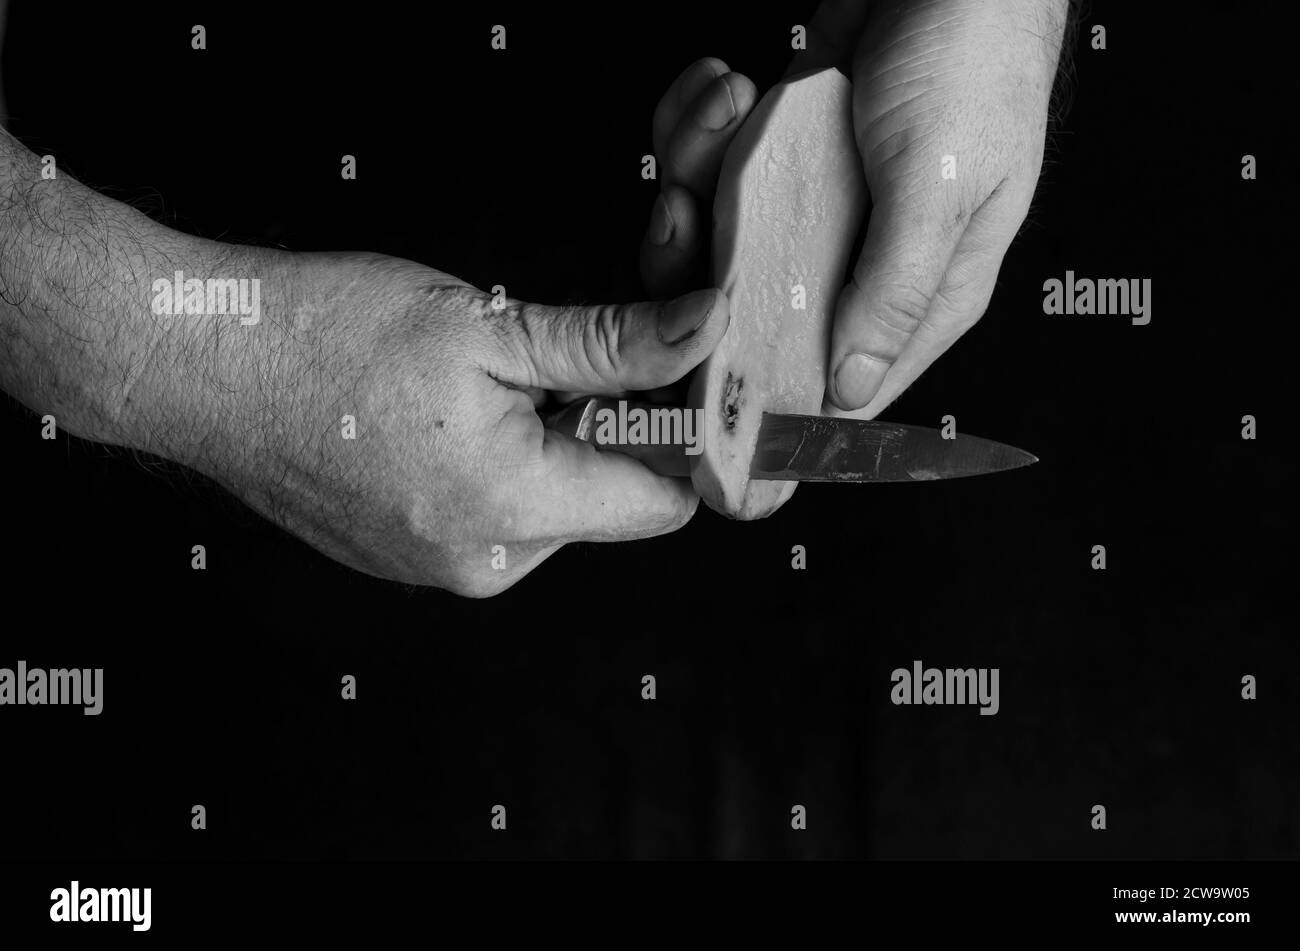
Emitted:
<point x="1019" y="459"/>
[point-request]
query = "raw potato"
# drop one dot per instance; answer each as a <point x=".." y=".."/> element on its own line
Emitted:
<point x="789" y="202"/>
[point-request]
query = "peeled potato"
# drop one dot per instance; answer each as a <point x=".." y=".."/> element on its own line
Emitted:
<point x="790" y="199"/>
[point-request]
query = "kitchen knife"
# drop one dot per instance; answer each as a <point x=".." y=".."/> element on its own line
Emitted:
<point x="797" y="448"/>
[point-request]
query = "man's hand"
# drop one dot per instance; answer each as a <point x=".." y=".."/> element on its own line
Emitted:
<point x="450" y="458"/>
<point x="442" y="382"/>
<point x="950" y="104"/>
<point x="694" y="123"/>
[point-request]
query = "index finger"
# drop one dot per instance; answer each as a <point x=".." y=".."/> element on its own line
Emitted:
<point x="581" y="493"/>
<point x="685" y="88"/>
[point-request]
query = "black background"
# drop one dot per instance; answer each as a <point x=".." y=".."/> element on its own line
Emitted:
<point x="522" y="168"/>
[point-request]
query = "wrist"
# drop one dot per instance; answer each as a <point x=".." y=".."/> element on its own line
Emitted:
<point x="221" y="357"/>
<point x="257" y="400"/>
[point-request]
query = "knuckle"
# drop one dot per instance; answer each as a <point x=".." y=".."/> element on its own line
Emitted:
<point x="522" y="330"/>
<point x="901" y="308"/>
<point x="680" y="162"/>
<point x="602" y="340"/>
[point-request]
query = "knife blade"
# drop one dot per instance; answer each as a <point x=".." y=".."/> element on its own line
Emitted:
<point x="792" y="447"/>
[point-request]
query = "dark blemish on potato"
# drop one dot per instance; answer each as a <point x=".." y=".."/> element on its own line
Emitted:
<point x="732" y="400"/>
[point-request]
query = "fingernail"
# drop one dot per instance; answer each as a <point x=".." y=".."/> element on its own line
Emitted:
<point x="661" y="222"/>
<point x="857" y="379"/>
<point x="719" y="111"/>
<point x="685" y="315"/>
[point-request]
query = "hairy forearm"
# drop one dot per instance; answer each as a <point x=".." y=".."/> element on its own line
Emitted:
<point x="81" y="335"/>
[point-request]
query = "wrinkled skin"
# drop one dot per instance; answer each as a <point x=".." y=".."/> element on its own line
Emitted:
<point x="932" y="78"/>
<point x="451" y="458"/>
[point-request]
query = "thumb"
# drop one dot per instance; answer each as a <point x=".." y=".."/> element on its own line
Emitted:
<point x="615" y="347"/>
<point x="894" y="283"/>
